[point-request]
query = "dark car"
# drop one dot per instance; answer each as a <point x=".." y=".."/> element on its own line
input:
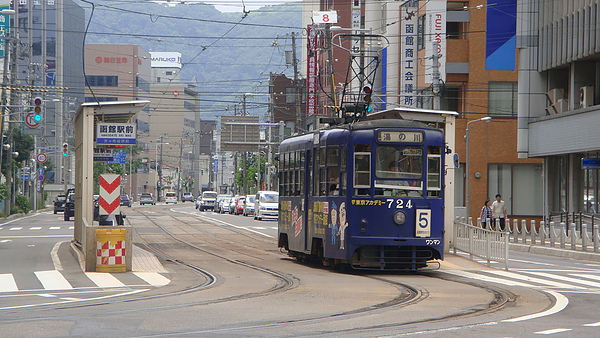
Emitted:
<point x="59" y="203"/>
<point x="69" y="207"/>
<point x="125" y="201"/>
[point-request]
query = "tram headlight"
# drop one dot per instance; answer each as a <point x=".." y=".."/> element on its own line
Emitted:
<point x="399" y="218"/>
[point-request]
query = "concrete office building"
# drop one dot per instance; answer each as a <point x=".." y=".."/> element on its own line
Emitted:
<point x="49" y="56"/>
<point x="559" y="93"/>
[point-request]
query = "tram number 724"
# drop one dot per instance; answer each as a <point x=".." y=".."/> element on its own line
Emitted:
<point x="399" y="204"/>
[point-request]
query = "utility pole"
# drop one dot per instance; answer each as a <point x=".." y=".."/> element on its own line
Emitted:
<point x="297" y="86"/>
<point x="159" y="171"/>
<point x="435" y="81"/>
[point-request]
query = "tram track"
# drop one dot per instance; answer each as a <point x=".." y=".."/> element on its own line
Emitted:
<point x="184" y="232"/>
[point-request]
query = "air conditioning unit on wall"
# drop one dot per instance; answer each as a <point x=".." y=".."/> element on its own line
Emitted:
<point x="586" y="96"/>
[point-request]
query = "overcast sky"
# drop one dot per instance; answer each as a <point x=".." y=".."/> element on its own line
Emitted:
<point x="233" y="5"/>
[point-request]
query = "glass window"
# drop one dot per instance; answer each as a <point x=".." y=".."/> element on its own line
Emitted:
<point x="434" y="170"/>
<point x="362" y="173"/>
<point x="343" y="158"/>
<point x="502" y="98"/>
<point x="290" y="95"/>
<point x="333" y="155"/>
<point x="322" y="182"/>
<point x="322" y="157"/>
<point x="334" y="180"/>
<point x="520" y="186"/>
<point x="399" y="171"/>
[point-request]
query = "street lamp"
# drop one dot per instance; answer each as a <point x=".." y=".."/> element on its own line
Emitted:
<point x="467" y="185"/>
<point x="159" y="167"/>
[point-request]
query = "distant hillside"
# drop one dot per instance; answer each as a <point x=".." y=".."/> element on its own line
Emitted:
<point x="229" y="54"/>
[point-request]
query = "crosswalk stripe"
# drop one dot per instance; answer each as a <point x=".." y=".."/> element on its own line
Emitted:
<point x="564" y="278"/>
<point x="533" y="279"/>
<point x="7" y="283"/>
<point x="153" y="278"/>
<point x="487" y="278"/>
<point x="553" y="331"/>
<point x="594" y="277"/>
<point x="53" y="280"/>
<point x="104" y="279"/>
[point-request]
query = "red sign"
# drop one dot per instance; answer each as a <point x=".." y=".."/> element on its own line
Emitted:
<point x="30" y="120"/>
<point x="100" y="59"/>
<point x="175" y="93"/>
<point x="41" y="157"/>
<point x="109" y="199"/>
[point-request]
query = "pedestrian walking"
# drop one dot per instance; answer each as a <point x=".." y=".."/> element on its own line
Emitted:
<point x="499" y="212"/>
<point x="486" y="214"/>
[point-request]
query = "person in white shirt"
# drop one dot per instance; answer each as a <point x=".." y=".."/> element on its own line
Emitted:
<point x="499" y="211"/>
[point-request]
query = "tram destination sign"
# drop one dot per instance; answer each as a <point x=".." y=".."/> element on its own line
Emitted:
<point x="400" y="137"/>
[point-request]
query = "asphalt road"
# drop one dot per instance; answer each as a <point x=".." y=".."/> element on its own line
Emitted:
<point x="225" y="276"/>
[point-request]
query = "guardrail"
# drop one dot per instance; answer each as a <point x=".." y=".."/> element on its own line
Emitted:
<point x="488" y="244"/>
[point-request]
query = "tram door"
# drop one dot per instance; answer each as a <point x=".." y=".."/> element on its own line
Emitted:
<point x="309" y="186"/>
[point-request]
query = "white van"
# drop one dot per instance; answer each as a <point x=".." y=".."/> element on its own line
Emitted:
<point x="266" y="204"/>
<point x="171" y="197"/>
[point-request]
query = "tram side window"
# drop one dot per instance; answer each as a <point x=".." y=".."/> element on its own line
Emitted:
<point x="333" y="170"/>
<point x="315" y="169"/>
<point x="434" y="171"/>
<point x="301" y="165"/>
<point x="362" y="169"/>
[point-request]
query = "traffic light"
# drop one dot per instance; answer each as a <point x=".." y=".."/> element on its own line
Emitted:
<point x="367" y="91"/>
<point x="201" y="171"/>
<point x="37" y="108"/>
<point x="65" y="149"/>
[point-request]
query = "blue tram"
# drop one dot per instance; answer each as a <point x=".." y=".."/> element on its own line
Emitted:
<point x="367" y="194"/>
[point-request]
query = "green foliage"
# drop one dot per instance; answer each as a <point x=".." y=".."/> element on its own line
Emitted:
<point x="3" y="191"/>
<point x="22" y="205"/>
<point x="22" y="144"/>
<point x="251" y="165"/>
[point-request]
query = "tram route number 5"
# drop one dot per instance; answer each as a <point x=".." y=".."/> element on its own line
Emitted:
<point x="423" y="223"/>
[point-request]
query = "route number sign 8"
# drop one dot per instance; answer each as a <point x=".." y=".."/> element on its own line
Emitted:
<point x="325" y="17"/>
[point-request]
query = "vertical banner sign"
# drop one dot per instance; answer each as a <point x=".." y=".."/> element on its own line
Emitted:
<point x="110" y="197"/>
<point x="501" y="35"/>
<point x="4" y="26"/>
<point x="435" y="31"/>
<point x="408" y="55"/>
<point x="311" y="78"/>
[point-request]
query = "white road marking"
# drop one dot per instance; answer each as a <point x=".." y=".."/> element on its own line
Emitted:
<point x="222" y="222"/>
<point x="16" y="228"/>
<point x="594" y="277"/>
<point x="553" y="331"/>
<point x="53" y="280"/>
<point x="153" y="278"/>
<point x="593" y="324"/>
<point x="559" y="305"/>
<point x="104" y="279"/>
<point x="566" y="279"/>
<point x="533" y="279"/>
<point x="54" y="228"/>
<point x="486" y="278"/>
<point x="54" y="255"/>
<point x="35" y="228"/>
<point x="7" y="283"/>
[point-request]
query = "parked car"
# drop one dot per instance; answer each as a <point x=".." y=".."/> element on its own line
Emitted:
<point x="59" y="203"/>
<point x="170" y="197"/>
<point x="69" y="207"/>
<point x="249" y="205"/>
<point x="125" y="201"/>
<point x="239" y="206"/>
<point x="220" y="198"/>
<point x="147" y="198"/>
<point x="232" y="204"/>
<point x="223" y="205"/>
<point x="266" y="205"/>
<point x="208" y="201"/>
<point x="187" y="197"/>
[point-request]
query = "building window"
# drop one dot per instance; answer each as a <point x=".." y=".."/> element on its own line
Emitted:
<point x="421" y="32"/>
<point x="168" y="72"/>
<point x="290" y="95"/>
<point x="520" y="186"/>
<point x="502" y="98"/>
<point x="100" y="98"/>
<point x="102" y="81"/>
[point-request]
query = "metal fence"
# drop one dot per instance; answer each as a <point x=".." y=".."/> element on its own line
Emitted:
<point x="487" y="244"/>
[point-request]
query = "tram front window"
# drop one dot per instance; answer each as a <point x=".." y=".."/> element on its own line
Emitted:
<point x="399" y="171"/>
